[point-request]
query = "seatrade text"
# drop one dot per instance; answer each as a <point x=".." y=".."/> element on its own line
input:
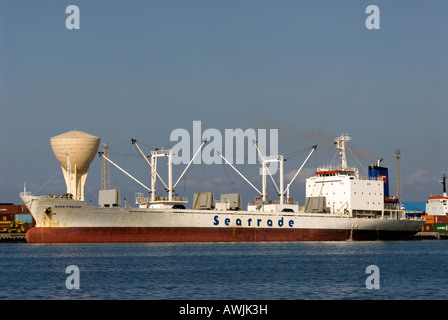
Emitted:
<point x="228" y="309"/>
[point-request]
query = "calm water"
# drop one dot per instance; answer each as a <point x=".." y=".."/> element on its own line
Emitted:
<point x="304" y="270"/>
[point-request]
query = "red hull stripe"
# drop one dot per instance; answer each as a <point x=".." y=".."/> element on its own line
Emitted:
<point x="136" y="234"/>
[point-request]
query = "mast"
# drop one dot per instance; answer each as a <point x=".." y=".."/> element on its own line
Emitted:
<point x="282" y="189"/>
<point x="154" y="155"/>
<point x="340" y="145"/>
<point x="154" y="174"/>
<point x="263" y="185"/>
<point x="170" y="176"/>
<point x="265" y="170"/>
<point x="398" y="155"/>
<point x="153" y="166"/>
<point x="105" y="178"/>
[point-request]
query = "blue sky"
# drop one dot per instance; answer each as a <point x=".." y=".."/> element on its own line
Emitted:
<point x="141" y="69"/>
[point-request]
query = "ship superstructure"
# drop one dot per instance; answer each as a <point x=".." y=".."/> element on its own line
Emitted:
<point x="438" y="205"/>
<point x="341" y="190"/>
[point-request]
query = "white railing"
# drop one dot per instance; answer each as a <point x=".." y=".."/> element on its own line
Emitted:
<point x="336" y="168"/>
<point x="139" y="198"/>
<point x="272" y="202"/>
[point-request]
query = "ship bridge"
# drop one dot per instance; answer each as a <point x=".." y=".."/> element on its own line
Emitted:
<point x="329" y="171"/>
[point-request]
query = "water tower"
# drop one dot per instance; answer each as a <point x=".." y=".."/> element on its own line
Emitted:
<point x="75" y="151"/>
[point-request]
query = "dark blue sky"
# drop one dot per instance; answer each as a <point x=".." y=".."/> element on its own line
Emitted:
<point x="141" y="69"/>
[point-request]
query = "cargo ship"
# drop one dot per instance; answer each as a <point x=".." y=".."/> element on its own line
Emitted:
<point x="436" y="215"/>
<point x="438" y="205"/>
<point x="340" y="205"/>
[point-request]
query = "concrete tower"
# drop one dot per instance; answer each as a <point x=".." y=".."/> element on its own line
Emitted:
<point x="75" y="151"/>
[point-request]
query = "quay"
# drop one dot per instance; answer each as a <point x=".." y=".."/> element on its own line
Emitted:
<point x="430" y="235"/>
<point x="20" y="237"/>
<point x="12" y="237"/>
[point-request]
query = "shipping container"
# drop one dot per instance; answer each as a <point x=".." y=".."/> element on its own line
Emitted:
<point x="441" y="219"/>
<point x="429" y="219"/>
<point x="9" y="208"/>
<point x="440" y="227"/>
<point x="428" y="227"/>
<point x="6" y="216"/>
<point x="24" y="217"/>
<point x="5" y="206"/>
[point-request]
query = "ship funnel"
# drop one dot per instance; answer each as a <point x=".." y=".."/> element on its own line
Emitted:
<point x="380" y="173"/>
<point x="75" y="151"/>
<point x="443" y="182"/>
